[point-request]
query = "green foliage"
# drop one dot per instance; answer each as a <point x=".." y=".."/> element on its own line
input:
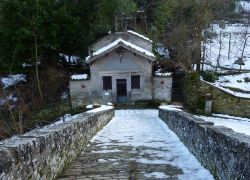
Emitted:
<point x="65" y="26"/>
<point x="164" y="13"/>
<point x="194" y="96"/>
<point x="209" y="76"/>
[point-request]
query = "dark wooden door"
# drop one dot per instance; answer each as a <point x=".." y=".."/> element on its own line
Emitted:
<point x="121" y="90"/>
<point x="178" y="85"/>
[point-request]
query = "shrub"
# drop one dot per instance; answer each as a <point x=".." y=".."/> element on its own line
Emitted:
<point x="209" y="76"/>
<point x="247" y="79"/>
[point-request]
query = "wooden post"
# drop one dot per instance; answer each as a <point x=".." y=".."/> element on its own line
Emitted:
<point x="229" y="48"/>
<point x="20" y="122"/>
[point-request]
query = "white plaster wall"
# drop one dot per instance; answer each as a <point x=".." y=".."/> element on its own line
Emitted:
<point x="162" y="88"/>
<point x="80" y="93"/>
<point x="130" y="64"/>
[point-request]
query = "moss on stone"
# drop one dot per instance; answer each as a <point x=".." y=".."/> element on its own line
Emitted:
<point x="195" y="94"/>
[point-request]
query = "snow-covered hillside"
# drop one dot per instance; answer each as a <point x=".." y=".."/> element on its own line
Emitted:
<point x="242" y="6"/>
<point x="226" y="45"/>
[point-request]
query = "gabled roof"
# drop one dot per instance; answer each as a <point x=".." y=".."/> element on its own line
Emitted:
<point x="140" y="35"/>
<point x="121" y="43"/>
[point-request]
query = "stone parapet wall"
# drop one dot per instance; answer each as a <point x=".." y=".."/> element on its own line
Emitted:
<point x="43" y="153"/>
<point x="224" y="152"/>
<point x="227" y="103"/>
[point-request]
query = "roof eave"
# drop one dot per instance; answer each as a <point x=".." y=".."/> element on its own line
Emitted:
<point x="91" y="59"/>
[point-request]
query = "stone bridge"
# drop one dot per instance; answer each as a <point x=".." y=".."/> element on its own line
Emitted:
<point x="134" y="144"/>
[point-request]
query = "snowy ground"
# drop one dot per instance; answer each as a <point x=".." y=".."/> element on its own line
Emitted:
<point x="12" y="80"/>
<point x="213" y="50"/>
<point x="137" y="140"/>
<point x="243" y="6"/>
<point x="238" y="124"/>
<point x="240" y="81"/>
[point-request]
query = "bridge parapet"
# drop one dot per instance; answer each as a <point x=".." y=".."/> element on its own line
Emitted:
<point x="221" y="150"/>
<point x="43" y="153"/>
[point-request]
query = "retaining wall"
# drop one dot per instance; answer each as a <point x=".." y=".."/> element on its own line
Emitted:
<point x="43" y="153"/>
<point x="221" y="150"/>
<point x="226" y="103"/>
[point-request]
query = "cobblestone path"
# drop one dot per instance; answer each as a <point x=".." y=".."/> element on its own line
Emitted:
<point x="136" y="144"/>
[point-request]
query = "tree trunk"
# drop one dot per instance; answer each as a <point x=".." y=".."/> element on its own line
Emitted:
<point x="37" y="69"/>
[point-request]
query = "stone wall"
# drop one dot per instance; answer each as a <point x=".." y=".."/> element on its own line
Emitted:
<point x="226" y="103"/>
<point x="80" y="92"/>
<point x="224" y="152"/>
<point x="43" y="153"/>
<point x="162" y="88"/>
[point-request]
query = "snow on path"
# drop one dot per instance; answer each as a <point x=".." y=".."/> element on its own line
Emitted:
<point x="143" y="128"/>
<point x="240" y="125"/>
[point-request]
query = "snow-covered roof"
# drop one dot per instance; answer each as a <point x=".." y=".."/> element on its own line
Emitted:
<point x="121" y="43"/>
<point x="139" y="35"/>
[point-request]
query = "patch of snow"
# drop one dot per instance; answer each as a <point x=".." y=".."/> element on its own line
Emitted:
<point x="26" y="65"/>
<point x="238" y="124"/>
<point x="11" y="97"/>
<point x="144" y="132"/>
<point x="70" y="59"/>
<point x="102" y="108"/>
<point x="162" y="51"/>
<point x="139" y="35"/>
<point x="102" y="161"/>
<point x="79" y="77"/>
<point x="236" y="81"/>
<point x="65" y="95"/>
<point x="109" y="104"/>
<point x="171" y="107"/>
<point x="242" y="6"/>
<point x="11" y="80"/>
<point x="90" y="106"/>
<point x="163" y="74"/>
<point x="157" y="175"/>
<point x="111" y="45"/>
<point x="2" y="102"/>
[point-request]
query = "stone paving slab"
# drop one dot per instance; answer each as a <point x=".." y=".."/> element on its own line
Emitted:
<point x="136" y="144"/>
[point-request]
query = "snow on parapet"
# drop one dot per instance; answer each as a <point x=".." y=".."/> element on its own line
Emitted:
<point x="171" y="107"/>
<point x="79" y="77"/>
<point x="140" y="35"/>
<point x="102" y="108"/>
<point x="137" y="48"/>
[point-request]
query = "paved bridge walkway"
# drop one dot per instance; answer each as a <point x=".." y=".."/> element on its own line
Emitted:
<point x="136" y="144"/>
